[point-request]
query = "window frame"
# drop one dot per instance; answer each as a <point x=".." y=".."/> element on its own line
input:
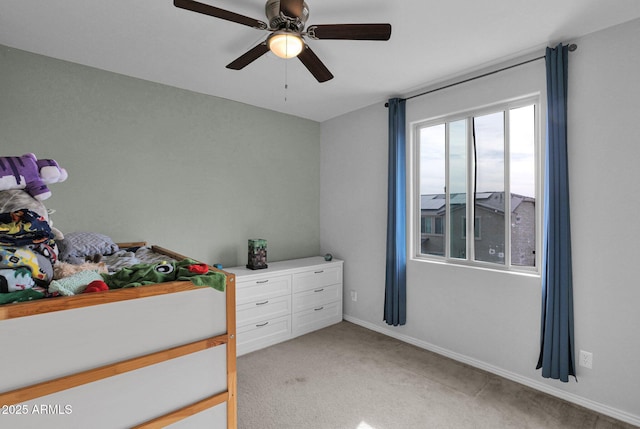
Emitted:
<point x="414" y="240"/>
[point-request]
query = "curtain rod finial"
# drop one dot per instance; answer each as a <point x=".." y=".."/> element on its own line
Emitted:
<point x="573" y="47"/>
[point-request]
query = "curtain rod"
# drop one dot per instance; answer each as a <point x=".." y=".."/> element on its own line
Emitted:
<point x="572" y="47"/>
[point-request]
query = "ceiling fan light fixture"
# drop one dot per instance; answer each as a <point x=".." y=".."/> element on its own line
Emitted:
<point x="285" y="44"/>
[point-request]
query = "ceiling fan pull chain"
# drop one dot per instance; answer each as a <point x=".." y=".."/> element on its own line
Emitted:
<point x="286" y="76"/>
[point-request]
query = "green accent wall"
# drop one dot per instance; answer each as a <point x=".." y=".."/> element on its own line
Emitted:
<point x="191" y="172"/>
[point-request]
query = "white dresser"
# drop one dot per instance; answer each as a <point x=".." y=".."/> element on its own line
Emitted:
<point x="285" y="300"/>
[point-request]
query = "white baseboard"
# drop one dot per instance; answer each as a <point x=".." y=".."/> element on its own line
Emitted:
<point x="570" y="397"/>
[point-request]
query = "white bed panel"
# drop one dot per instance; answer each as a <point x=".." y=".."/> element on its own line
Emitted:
<point x="46" y="346"/>
<point x="135" y="397"/>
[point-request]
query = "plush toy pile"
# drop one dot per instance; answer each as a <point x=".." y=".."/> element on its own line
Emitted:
<point x="37" y="260"/>
<point x="28" y="249"/>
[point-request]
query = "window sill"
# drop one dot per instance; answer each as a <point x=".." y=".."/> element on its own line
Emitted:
<point x="533" y="272"/>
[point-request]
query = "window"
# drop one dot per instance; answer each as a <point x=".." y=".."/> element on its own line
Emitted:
<point x="477" y="226"/>
<point x="432" y="225"/>
<point x="427" y="222"/>
<point x="479" y="165"/>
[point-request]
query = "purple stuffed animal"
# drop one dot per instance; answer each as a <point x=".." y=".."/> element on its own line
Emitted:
<point x="23" y="172"/>
<point x="50" y="172"/>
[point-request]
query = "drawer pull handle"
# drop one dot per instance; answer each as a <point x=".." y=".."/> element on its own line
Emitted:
<point x="318" y="272"/>
<point x="318" y="309"/>
<point x="262" y="303"/>
<point x="319" y="290"/>
<point x="262" y="324"/>
<point x="262" y="281"/>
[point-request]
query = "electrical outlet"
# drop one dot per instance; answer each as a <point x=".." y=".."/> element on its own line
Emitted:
<point x="354" y="295"/>
<point x="586" y="359"/>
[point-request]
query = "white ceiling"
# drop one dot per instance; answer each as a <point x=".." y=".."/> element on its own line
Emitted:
<point x="430" y="41"/>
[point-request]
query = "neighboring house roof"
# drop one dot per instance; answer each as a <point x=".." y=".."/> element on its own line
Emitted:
<point x="432" y="202"/>
<point x="487" y="200"/>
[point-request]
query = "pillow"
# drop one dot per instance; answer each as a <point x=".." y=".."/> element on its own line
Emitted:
<point x="83" y="244"/>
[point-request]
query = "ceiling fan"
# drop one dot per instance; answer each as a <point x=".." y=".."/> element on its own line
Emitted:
<point x="287" y="19"/>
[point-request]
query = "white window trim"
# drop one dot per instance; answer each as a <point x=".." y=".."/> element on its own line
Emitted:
<point x="413" y="187"/>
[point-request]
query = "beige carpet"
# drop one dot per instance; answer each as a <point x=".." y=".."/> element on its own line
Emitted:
<point x="349" y="377"/>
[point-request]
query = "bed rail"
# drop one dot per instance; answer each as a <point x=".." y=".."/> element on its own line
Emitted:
<point x="61" y="303"/>
<point x="12" y="311"/>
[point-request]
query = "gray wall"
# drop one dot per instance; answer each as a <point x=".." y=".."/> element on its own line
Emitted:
<point x="492" y="319"/>
<point x="190" y="172"/>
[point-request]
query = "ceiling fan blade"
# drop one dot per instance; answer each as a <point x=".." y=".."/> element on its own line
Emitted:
<point x="291" y="8"/>
<point x="350" y="31"/>
<point x="248" y="57"/>
<point x="216" y="12"/>
<point x="314" y="65"/>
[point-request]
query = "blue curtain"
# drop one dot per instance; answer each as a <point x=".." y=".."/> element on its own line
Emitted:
<point x="556" y="350"/>
<point x="395" y="298"/>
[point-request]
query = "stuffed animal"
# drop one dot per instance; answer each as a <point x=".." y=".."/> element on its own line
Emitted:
<point x="18" y="199"/>
<point x="96" y="286"/>
<point x="39" y="265"/>
<point x="14" y="280"/>
<point x="50" y="172"/>
<point x="74" y="284"/>
<point x="143" y="274"/>
<point x="23" y="172"/>
<point x="65" y="269"/>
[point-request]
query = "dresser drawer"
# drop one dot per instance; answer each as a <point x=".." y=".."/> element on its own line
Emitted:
<point x="271" y="308"/>
<point x="262" y="289"/>
<point x="314" y="298"/>
<point x="258" y="335"/>
<point x="316" y="278"/>
<point x="316" y="318"/>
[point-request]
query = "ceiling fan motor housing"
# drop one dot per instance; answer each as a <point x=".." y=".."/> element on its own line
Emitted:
<point x="279" y="22"/>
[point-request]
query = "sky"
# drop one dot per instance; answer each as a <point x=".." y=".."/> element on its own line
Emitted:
<point x="490" y="152"/>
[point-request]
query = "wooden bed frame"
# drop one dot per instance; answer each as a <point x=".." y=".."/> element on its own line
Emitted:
<point x="59" y="397"/>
